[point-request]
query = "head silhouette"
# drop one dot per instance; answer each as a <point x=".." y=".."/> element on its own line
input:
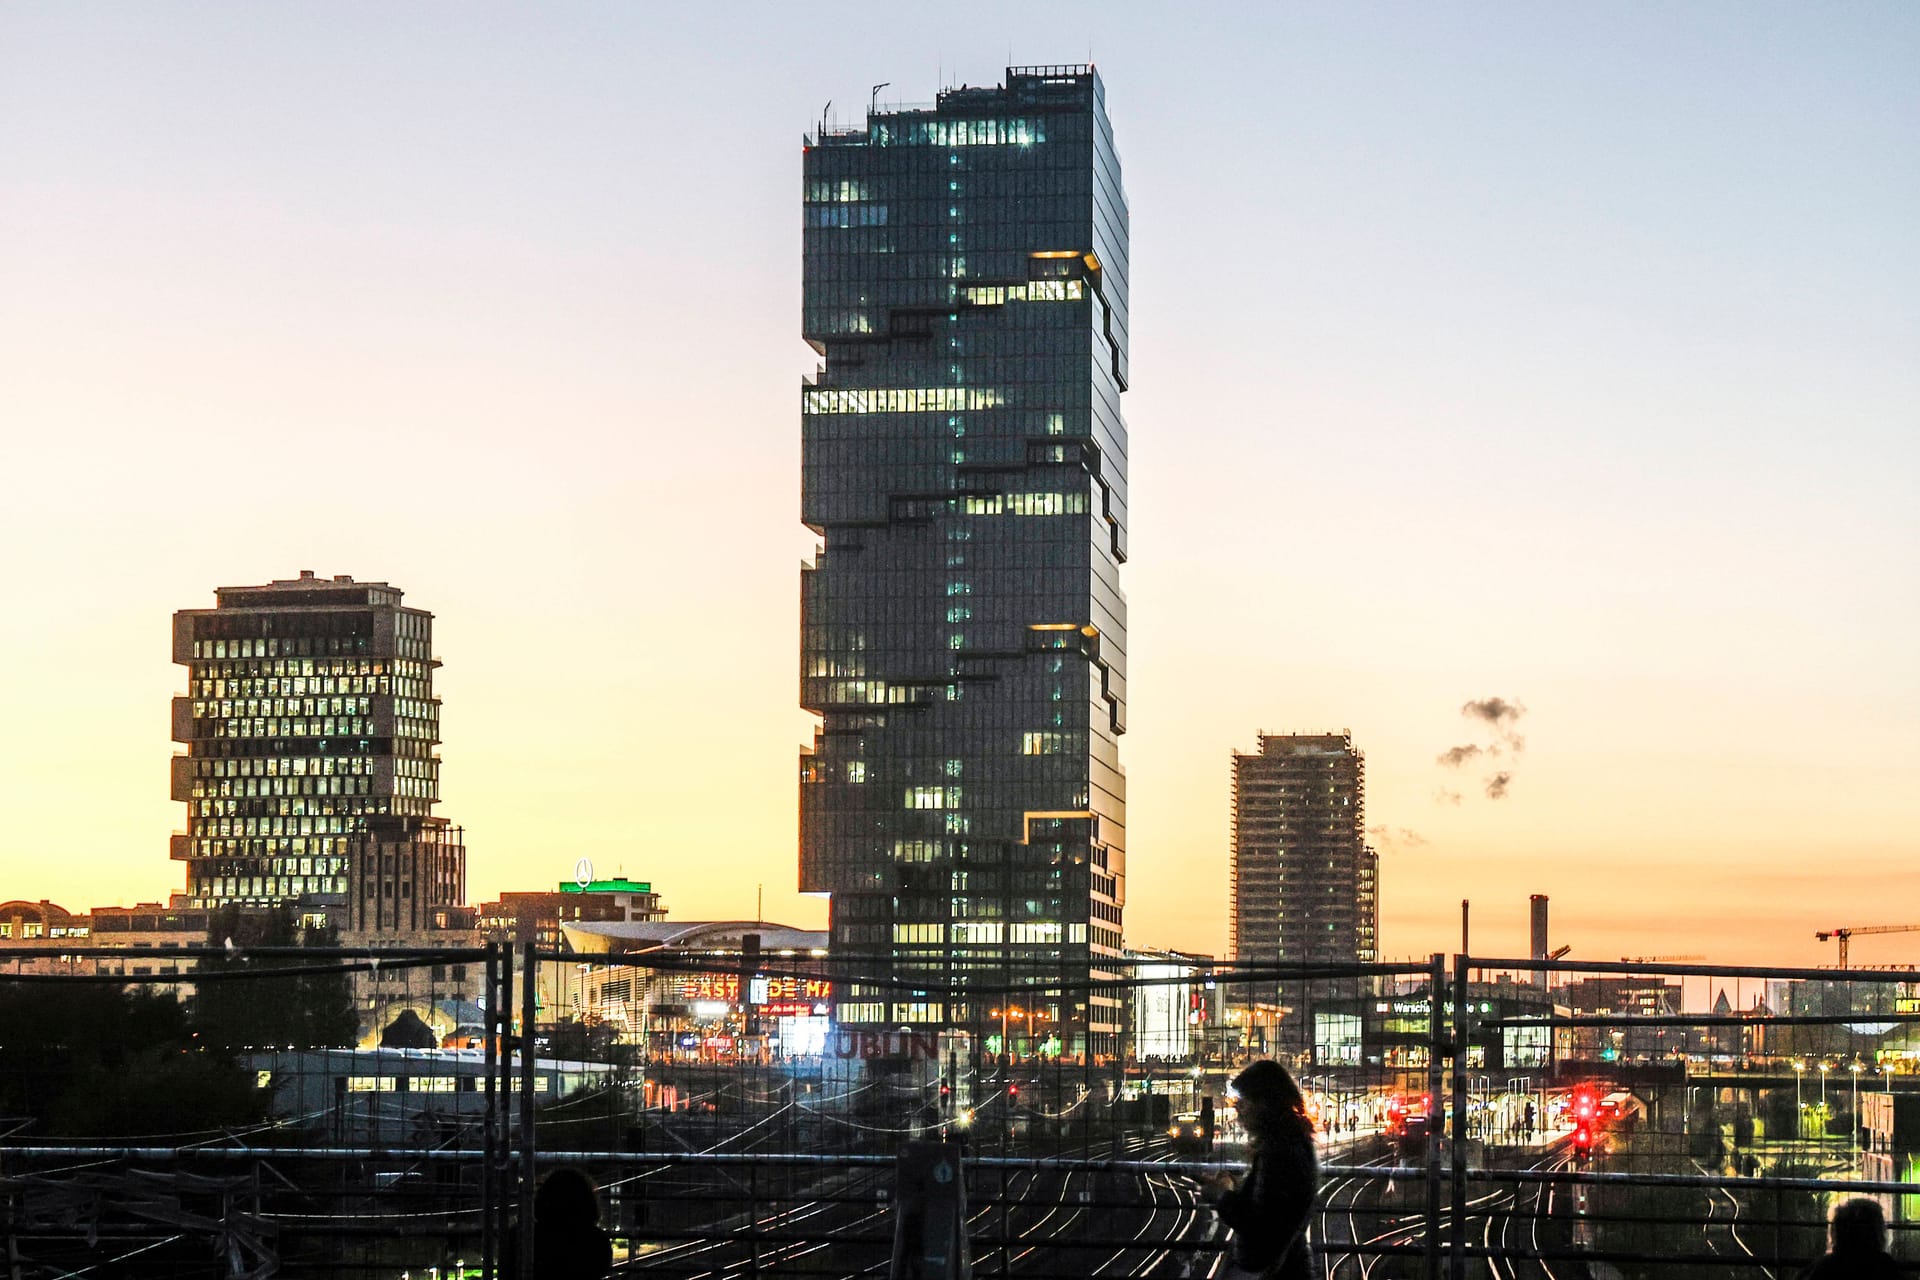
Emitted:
<point x="566" y="1198"/>
<point x="1857" y="1226"/>
<point x="1270" y="1102"/>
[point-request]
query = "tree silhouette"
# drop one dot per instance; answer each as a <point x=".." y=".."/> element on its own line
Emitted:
<point x="253" y="1008"/>
<point x="87" y="1061"/>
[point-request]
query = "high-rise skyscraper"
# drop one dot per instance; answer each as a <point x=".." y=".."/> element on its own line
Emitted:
<point x="1304" y="881"/>
<point x="963" y="633"/>
<point x="310" y="774"/>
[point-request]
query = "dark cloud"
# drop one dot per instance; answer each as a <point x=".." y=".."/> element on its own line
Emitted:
<point x="1502" y="716"/>
<point x="1497" y="712"/>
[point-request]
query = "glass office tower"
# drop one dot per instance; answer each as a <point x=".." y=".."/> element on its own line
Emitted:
<point x="310" y="770"/>
<point x="963" y="632"/>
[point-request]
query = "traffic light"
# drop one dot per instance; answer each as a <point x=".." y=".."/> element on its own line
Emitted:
<point x="1583" y="1141"/>
<point x="1013" y="1091"/>
<point x="1584" y="1105"/>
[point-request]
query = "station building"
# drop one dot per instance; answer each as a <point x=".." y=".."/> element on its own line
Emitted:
<point x="1393" y="1029"/>
<point x="676" y="987"/>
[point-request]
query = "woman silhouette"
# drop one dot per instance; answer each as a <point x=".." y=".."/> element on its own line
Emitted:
<point x="568" y="1240"/>
<point x="1268" y="1209"/>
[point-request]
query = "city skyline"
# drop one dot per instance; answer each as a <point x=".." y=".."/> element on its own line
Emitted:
<point x="1582" y="342"/>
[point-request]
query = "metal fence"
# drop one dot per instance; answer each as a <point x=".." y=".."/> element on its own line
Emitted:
<point x="1478" y="1117"/>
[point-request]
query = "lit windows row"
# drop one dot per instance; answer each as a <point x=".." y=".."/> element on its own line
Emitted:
<point x="302" y="686"/>
<point x="843" y="322"/>
<point x="835" y="665"/>
<point x="275" y="825"/>
<point x="284" y="847"/>
<point x="283" y="646"/>
<point x="932" y="798"/>
<point x="847" y="215"/>
<point x="284" y="707"/>
<point x="994" y="295"/>
<point x="896" y="399"/>
<point x="305" y="667"/>
<point x="845" y="189"/>
<point x="918" y="1011"/>
<point x="990" y="933"/>
<point x="435" y="1084"/>
<point x="1026" y="504"/>
<point x="919" y="933"/>
<point x="271" y="886"/>
<point x="1015" y="132"/>
<point x="283" y="727"/>
<point x="283" y="767"/>
<point x="920" y="850"/>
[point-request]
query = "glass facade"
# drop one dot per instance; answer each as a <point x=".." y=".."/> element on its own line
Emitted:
<point x="309" y="723"/>
<point x="963" y="632"/>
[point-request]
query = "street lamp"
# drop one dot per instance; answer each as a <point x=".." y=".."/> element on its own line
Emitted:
<point x="1853" y="1114"/>
<point x="1824" y="1068"/>
<point x="1799" y="1107"/>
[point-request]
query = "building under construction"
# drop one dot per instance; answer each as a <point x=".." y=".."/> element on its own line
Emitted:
<point x="1304" y="881"/>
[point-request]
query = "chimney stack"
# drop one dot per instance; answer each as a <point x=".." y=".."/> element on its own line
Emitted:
<point x="1539" y="904"/>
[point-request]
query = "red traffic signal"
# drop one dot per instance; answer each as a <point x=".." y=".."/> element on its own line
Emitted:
<point x="1584" y="1105"/>
<point x="1583" y="1140"/>
<point x="1013" y="1091"/>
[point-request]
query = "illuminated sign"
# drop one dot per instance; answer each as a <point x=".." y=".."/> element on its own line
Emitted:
<point x="795" y="1009"/>
<point x="922" y="1045"/>
<point x="725" y="987"/>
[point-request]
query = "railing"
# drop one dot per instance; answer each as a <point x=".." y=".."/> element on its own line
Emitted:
<point x="1507" y="1136"/>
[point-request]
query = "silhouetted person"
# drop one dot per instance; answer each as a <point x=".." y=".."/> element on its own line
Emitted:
<point x="1268" y="1210"/>
<point x="1856" y="1245"/>
<point x="568" y="1240"/>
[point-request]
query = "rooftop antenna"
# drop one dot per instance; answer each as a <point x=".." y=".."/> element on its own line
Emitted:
<point x="823" y="115"/>
<point x="874" y="97"/>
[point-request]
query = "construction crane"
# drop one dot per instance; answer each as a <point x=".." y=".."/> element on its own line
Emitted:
<point x="1659" y="959"/>
<point x="1824" y="935"/>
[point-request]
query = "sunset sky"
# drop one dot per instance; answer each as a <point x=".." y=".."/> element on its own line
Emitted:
<point x="1568" y="354"/>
